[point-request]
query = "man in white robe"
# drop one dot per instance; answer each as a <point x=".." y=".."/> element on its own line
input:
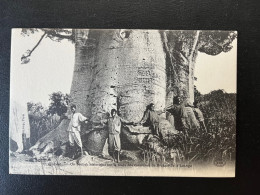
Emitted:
<point x="74" y="127"/>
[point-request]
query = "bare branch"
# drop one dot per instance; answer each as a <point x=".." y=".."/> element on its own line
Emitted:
<point x="23" y="58"/>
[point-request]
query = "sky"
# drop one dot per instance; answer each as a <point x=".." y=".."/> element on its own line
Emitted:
<point x="34" y="81"/>
<point x="217" y="72"/>
<point x="50" y="69"/>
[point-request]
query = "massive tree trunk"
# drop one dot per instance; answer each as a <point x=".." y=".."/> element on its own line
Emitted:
<point x="127" y="70"/>
<point x="119" y="69"/>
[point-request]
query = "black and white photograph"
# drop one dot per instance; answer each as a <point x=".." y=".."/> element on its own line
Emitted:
<point x="123" y="102"/>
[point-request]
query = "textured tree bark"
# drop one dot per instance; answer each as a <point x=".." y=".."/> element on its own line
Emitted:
<point x="129" y="69"/>
<point x="119" y="69"/>
<point x="181" y="48"/>
<point x="85" y="50"/>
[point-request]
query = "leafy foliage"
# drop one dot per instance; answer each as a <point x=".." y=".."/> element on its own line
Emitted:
<point x="215" y="42"/>
<point x="219" y="142"/>
<point x="54" y="34"/>
<point x="59" y="103"/>
<point x="219" y="109"/>
<point x="210" y="42"/>
<point x="28" y="31"/>
<point x="40" y="122"/>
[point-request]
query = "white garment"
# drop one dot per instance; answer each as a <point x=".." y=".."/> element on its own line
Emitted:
<point x="75" y="136"/>
<point x="74" y="128"/>
<point x="75" y="121"/>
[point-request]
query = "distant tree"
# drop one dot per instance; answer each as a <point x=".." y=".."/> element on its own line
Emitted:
<point x="59" y="103"/>
<point x="219" y="104"/>
<point x="36" y="110"/>
<point x="37" y="120"/>
<point x="42" y="120"/>
<point x="197" y="94"/>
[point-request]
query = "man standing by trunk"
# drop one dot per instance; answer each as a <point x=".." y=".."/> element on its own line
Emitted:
<point x="74" y="128"/>
<point x="152" y="118"/>
<point x="114" y="129"/>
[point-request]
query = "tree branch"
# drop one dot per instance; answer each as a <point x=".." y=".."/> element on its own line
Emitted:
<point x="54" y="34"/>
<point x="30" y="51"/>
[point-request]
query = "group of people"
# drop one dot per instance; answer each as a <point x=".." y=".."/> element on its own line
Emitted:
<point x="114" y="129"/>
<point x="151" y="118"/>
<point x="186" y="116"/>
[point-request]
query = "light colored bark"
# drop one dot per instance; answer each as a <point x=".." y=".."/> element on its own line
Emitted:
<point x="127" y="70"/>
<point x="125" y="73"/>
<point x="191" y="66"/>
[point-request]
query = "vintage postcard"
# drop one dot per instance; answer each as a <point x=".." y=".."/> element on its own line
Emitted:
<point x="123" y="102"/>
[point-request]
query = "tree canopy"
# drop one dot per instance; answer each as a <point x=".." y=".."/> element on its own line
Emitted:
<point x="215" y="42"/>
<point x="59" y="103"/>
<point x="210" y="42"/>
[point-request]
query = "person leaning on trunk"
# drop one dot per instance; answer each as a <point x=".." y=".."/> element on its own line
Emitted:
<point x="76" y="119"/>
<point x="152" y="118"/>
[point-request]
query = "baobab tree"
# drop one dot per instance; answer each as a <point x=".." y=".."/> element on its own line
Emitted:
<point x="128" y="69"/>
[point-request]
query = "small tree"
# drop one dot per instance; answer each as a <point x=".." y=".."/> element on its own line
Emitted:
<point x="39" y="126"/>
<point x="59" y="103"/>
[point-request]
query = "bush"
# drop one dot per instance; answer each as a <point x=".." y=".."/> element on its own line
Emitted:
<point x="59" y="103"/>
<point x="219" y="110"/>
<point x="40" y="122"/>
